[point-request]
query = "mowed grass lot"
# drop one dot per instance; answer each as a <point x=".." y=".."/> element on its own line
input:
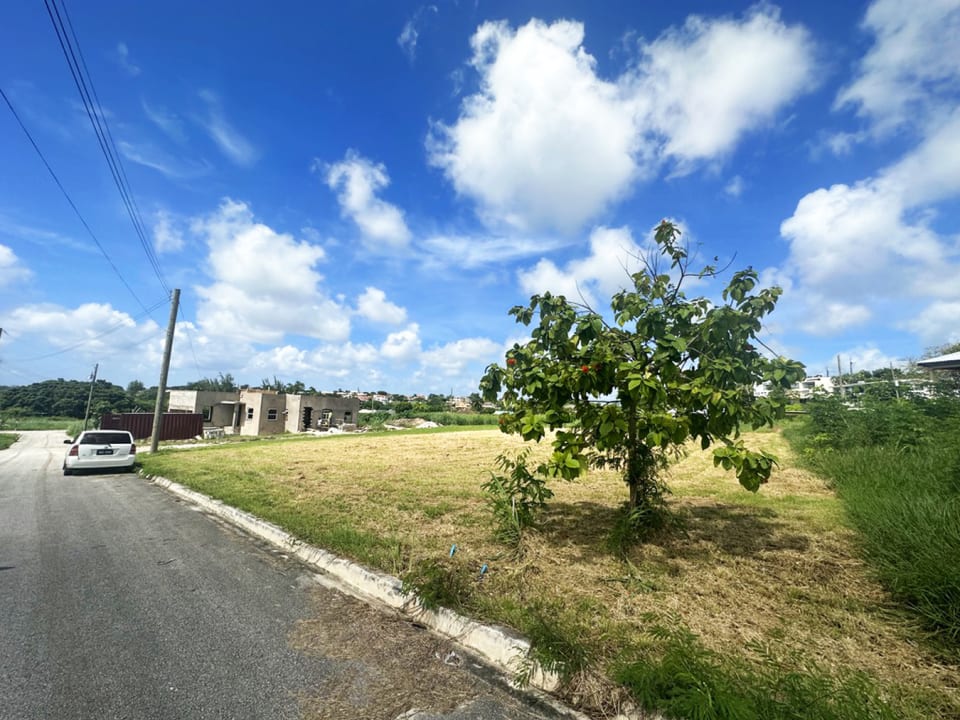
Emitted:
<point x="7" y="439"/>
<point x="768" y="580"/>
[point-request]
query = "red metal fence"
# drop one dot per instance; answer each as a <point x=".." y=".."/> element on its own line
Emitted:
<point x="173" y="426"/>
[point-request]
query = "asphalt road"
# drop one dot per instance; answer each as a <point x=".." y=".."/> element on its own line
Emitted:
<point x="119" y="601"/>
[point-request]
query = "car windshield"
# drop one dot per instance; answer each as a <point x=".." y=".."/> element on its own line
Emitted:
<point x="105" y="438"/>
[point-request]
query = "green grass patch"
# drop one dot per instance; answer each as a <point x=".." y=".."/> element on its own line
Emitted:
<point x="675" y="674"/>
<point x="461" y="419"/>
<point x="7" y="439"/>
<point x="741" y="571"/>
<point x="32" y="422"/>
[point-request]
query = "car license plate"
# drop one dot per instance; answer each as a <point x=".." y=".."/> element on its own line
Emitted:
<point x="104" y="451"/>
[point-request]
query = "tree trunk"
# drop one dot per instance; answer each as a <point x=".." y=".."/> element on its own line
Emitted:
<point x="633" y="462"/>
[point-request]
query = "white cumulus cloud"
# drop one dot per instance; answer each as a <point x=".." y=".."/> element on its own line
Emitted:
<point x="913" y="68"/>
<point x="547" y="143"/>
<point x="452" y="359"/>
<point x="614" y="254"/>
<point x="373" y="305"/>
<point x="264" y="284"/>
<point x="937" y="324"/>
<point x="403" y="345"/>
<point x="875" y="236"/>
<point x="91" y="329"/>
<point x="705" y="84"/>
<point x="357" y="180"/>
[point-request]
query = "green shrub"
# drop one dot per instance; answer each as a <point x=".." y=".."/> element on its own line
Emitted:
<point x="515" y="497"/>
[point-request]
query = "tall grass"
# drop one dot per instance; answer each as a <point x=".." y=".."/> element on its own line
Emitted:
<point x="896" y="467"/>
<point x="34" y="422"/>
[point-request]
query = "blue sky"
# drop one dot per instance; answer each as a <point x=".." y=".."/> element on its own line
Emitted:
<point x="354" y="194"/>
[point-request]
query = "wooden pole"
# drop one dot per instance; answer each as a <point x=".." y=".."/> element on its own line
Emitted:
<point x="164" y="369"/>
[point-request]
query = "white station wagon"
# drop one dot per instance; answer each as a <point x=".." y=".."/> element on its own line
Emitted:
<point x="100" y="450"/>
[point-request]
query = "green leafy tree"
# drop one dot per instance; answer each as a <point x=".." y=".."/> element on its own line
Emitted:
<point x="221" y="383"/>
<point x="629" y="392"/>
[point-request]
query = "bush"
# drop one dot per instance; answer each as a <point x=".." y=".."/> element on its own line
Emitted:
<point x="515" y="497"/>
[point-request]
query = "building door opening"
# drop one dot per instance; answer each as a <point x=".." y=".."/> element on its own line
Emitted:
<point x="307" y="418"/>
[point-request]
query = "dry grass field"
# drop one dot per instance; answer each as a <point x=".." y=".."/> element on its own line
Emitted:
<point x="766" y="577"/>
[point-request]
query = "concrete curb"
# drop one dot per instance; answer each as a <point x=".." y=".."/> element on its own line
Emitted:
<point x="496" y="646"/>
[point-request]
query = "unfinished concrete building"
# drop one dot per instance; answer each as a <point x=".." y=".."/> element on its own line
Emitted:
<point x="266" y="412"/>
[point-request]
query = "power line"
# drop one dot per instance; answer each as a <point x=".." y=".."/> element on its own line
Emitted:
<point x="189" y="333"/>
<point x="98" y="120"/>
<point x="70" y="200"/>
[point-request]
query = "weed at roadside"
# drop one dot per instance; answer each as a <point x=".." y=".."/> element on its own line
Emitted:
<point x="446" y="582"/>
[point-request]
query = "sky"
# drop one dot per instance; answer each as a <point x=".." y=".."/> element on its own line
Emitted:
<point x="355" y="194"/>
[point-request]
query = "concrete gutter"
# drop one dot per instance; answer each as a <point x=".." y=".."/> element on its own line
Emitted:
<point x="496" y="646"/>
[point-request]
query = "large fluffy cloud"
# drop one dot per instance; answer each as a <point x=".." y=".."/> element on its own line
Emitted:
<point x="913" y="68"/>
<point x="264" y="284"/>
<point x="876" y="236"/>
<point x="703" y="85"/>
<point x="92" y="330"/>
<point x="357" y="180"/>
<point x="546" y="143"/>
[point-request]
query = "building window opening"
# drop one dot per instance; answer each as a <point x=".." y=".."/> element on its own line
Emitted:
<point x="250" y="413"/>
<point x="272" y="414"/>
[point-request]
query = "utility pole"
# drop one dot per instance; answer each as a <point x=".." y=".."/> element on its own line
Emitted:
<point x="93" y="380"/>
<point x="164" y="369"/>
<point x="843" y="390"/>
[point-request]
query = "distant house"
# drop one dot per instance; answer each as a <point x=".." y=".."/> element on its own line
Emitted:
<point x="951" y="361"/>
<point x="265" y="412"/>
<point x="813" y="385"/>
<point x="803" y="390"/>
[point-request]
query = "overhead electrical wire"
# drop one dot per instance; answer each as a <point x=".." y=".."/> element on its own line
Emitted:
<point x="91" y="103"/>
<point x="189" y="334"/>
<point x="70" y="200"/>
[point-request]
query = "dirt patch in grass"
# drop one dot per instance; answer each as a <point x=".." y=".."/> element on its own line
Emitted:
<point x="392" y="666"/>
<point x="778" y="569"/>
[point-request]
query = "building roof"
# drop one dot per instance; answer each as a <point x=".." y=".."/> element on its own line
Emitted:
<point x="950" y="361"/>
